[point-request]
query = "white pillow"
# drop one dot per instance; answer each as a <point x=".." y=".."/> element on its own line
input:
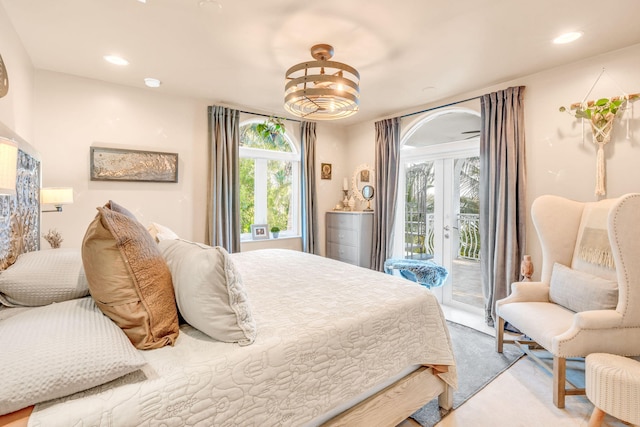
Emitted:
<point x="580" y="291"/>
<point x="53" y="351"/>
<point x="209" y="291"/>
<point x="160" y="232"/>
<point x="42" y="277"/>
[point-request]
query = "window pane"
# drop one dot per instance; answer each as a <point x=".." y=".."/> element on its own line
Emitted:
<point x="251" y="138"/>
<point x="279" y="182"/>
<point x="419" y="210"/>
<point x="247" y="198"/>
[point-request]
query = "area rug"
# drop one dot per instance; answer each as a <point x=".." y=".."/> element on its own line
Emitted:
<point x="477" y="363"/>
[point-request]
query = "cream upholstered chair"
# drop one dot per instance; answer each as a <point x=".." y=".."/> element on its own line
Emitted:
<point x="588" y="299"/>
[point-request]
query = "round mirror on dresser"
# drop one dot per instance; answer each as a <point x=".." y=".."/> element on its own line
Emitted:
<point x="362" y="185"/>
<point x="367" y="194"/>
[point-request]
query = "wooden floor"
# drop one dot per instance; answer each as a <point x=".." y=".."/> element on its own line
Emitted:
<point x="520" y="397"/>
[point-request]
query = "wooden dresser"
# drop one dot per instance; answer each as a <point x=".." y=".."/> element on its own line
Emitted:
<point x="349" y="237"/>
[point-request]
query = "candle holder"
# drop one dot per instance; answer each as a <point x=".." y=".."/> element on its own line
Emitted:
<point x="345" y="202"/>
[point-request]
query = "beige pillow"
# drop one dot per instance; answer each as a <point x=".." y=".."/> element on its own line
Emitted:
<point x="209" y="291"/>
<point x="580" y="291"/>
<point x="129" y="279"/>
<point x="43" y="277"/>
<point x="160" y="232"/>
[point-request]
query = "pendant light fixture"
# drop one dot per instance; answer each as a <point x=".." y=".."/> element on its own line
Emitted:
<point x="322" y="89"/>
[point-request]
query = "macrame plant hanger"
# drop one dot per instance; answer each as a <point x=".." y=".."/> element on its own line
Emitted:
<point x="601" y="114"/>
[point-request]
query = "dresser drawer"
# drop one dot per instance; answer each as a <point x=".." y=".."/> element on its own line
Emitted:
<point x="342" y="236"/>
<point x="343" y="221"/>
<point x="348" y="237"/>
<point x="343" y="253"/>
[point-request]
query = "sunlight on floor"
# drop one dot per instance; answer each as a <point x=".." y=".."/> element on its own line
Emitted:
<point x="467" y="318"/>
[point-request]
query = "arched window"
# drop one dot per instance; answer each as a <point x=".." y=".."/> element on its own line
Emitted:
<point x="269" y="181"/>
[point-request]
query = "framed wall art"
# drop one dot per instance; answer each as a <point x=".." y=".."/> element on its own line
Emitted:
<point x="114" y="164"/>
<point x="259" y="231"/>
<point x="325" y="170"/>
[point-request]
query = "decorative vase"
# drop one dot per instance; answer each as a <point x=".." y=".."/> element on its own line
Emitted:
<point x="352" y="203"/>
<point x="526" y="268"/>
<point x="275" y="234"/>
<point x="345" y="201"/>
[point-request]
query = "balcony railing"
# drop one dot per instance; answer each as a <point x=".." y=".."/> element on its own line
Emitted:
<point x="419" y="235"/>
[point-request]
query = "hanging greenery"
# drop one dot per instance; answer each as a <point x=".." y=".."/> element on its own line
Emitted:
<point x="271" y="128"/>
<point x="600" y="115"/>
<point x="601" y="111"/>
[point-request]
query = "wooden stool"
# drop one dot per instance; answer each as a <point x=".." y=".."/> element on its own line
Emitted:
<point x="613" y="386"/>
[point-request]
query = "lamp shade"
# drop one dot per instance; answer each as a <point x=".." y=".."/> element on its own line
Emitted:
<point x="56" y="196"/>
<point x="8" y="166"/>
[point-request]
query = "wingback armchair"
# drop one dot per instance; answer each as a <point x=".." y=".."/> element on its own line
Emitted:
<point x="588" y="298"/>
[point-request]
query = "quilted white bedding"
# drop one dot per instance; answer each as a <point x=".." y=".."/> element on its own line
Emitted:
<point x="327" y="332"/>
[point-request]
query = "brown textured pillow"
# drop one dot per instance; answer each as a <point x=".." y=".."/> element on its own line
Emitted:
<point x="129" y="279"/>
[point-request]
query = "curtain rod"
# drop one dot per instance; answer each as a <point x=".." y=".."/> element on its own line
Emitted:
<point x="440" y="106"/>
<point x="402" y="116"/>
<point x="266" y="115"/>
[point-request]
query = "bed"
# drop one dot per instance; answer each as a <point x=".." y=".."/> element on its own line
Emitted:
<point x="334" y="344"/>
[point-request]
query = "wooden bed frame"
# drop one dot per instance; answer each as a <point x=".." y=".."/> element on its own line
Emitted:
<point x="395" y="403"/>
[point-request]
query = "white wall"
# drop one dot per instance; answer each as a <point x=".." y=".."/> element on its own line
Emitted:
<point x="331" y="148"/>
<point x="16" y="106"/>
<point x="558" y="162"/>
<point x="72" y="114"/>
<point x="361" y="150"/>
<point x="62" y="116"/>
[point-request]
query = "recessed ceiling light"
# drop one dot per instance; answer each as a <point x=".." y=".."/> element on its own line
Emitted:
<point x="142" y="1"/>
<point x="212" y="3"/>
<point x="568" y="37"/>
<point x="116" y="60"/>
<point x="151" y="82"/>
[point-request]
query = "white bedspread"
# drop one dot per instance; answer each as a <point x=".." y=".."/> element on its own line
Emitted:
<point x="327" y="331"/>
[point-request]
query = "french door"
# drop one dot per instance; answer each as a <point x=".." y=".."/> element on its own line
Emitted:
<point x="440" y="207"/>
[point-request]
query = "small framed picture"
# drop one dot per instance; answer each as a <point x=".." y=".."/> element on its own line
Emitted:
<point x="259" y="231"/>
<point x="364" y="175"/>
<point x="325" y="170"/>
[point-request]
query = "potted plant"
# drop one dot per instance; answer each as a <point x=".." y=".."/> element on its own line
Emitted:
<point x="271" y="128"/>
<point x="276" y="232"/>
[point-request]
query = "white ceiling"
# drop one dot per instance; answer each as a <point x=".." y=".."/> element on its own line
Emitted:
<point x="408" y="52"/>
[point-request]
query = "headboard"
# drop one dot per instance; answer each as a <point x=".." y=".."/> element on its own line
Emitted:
<point x="20" y="214"/>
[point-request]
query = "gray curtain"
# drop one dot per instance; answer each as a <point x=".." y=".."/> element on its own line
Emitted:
<point x="223" y="189"/>
<point x="309" y="200"/>
<point x="502" y="193"/>
<point x="387" y="161"/>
